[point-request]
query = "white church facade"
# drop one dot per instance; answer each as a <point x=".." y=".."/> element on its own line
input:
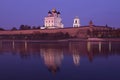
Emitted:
<point x="53" y="20"/>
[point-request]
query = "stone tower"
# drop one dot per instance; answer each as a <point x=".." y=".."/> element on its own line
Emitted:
<point x="76" y="22"/>
<point x="91" y="23"/>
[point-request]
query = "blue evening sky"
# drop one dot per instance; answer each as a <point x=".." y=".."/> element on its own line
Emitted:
<point x="13" y="13"/>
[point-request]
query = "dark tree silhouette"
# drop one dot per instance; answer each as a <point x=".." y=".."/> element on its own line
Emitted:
<point x="24" y="27"/>
<point x="34" y="27"/>
<point x="14" y="28"/>
<point x="1" y="29"/>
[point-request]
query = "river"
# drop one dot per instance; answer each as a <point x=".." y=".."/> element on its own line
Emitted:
<point x="81" y="60"/>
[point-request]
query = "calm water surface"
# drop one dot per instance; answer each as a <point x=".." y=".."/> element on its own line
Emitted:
<point x="59" y="61"/>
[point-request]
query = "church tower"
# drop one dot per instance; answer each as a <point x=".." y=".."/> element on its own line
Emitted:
<point x="91" y="23"/>
<point x="76" y="22"/>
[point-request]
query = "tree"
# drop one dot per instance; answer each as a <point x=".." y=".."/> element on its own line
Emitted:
<point x="33" y="27"/>
<point x="21" y="27"/>
<point x="38" y="27"/>
<point x="24" y="27"/>
<point x="14" y="28"/>
<point x="1" y="29"/>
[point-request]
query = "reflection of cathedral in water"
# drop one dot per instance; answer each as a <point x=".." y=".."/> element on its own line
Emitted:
<point x="52" y="58"/>
<point x="76" y="59"/>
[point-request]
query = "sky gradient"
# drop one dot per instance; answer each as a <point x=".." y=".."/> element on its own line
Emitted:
<point x="13" y="13"/>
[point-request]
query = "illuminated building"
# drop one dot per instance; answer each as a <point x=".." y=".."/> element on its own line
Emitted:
<point x="76" y="22"/>
<point x="53" y="20"/>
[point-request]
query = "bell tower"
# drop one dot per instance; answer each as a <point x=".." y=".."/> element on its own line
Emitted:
<point x="76" y="22"/>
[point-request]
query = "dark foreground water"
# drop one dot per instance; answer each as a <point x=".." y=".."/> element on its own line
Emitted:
<point x="59" y="61"/>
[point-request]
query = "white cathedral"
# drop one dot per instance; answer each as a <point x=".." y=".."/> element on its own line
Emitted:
<point x="53" y="20"/>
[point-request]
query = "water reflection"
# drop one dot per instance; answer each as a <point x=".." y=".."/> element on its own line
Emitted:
<point x="52" y="54"/>
<point x="52" y="58"/>
<point x="110" y="47"/>
<point x="76" y="59"/>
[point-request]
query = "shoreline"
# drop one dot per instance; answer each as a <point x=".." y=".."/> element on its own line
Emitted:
<point x="69" y="40"/>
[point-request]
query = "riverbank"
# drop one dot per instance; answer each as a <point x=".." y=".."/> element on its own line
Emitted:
<point x="68" y="40"/>
<point x="103" y="39"/>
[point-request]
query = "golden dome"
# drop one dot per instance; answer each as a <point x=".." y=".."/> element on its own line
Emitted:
<point x="53" y="10"/>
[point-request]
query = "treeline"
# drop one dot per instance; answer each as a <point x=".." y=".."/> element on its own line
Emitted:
<point x="22" y="27"/>
<point x="37" y="36"/>
<point x="26" y="27"/>
<point x="1" y="29"/>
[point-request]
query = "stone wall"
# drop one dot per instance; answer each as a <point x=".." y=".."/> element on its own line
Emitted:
<point x="78" y="32"/>
<point x="81" y="32"/>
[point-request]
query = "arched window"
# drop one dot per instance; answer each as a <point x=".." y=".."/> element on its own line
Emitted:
<point x="76" y="21"/>
<point x="52" y="21"/>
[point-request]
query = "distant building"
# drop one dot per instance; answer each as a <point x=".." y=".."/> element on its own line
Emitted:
<point x="76" y="22"/>
<point x="91" y="23"/>
<point x="53" y="20"/>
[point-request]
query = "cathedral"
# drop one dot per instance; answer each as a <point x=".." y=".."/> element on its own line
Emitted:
<point x="53" y="20"/>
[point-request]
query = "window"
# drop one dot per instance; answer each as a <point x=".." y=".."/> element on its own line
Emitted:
<point x="76" y="21"/>
<point x="52" y="21"/>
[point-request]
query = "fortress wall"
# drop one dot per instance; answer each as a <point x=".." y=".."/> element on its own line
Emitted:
<point x="69" y="30"/>
<point x="79" y="32"/>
